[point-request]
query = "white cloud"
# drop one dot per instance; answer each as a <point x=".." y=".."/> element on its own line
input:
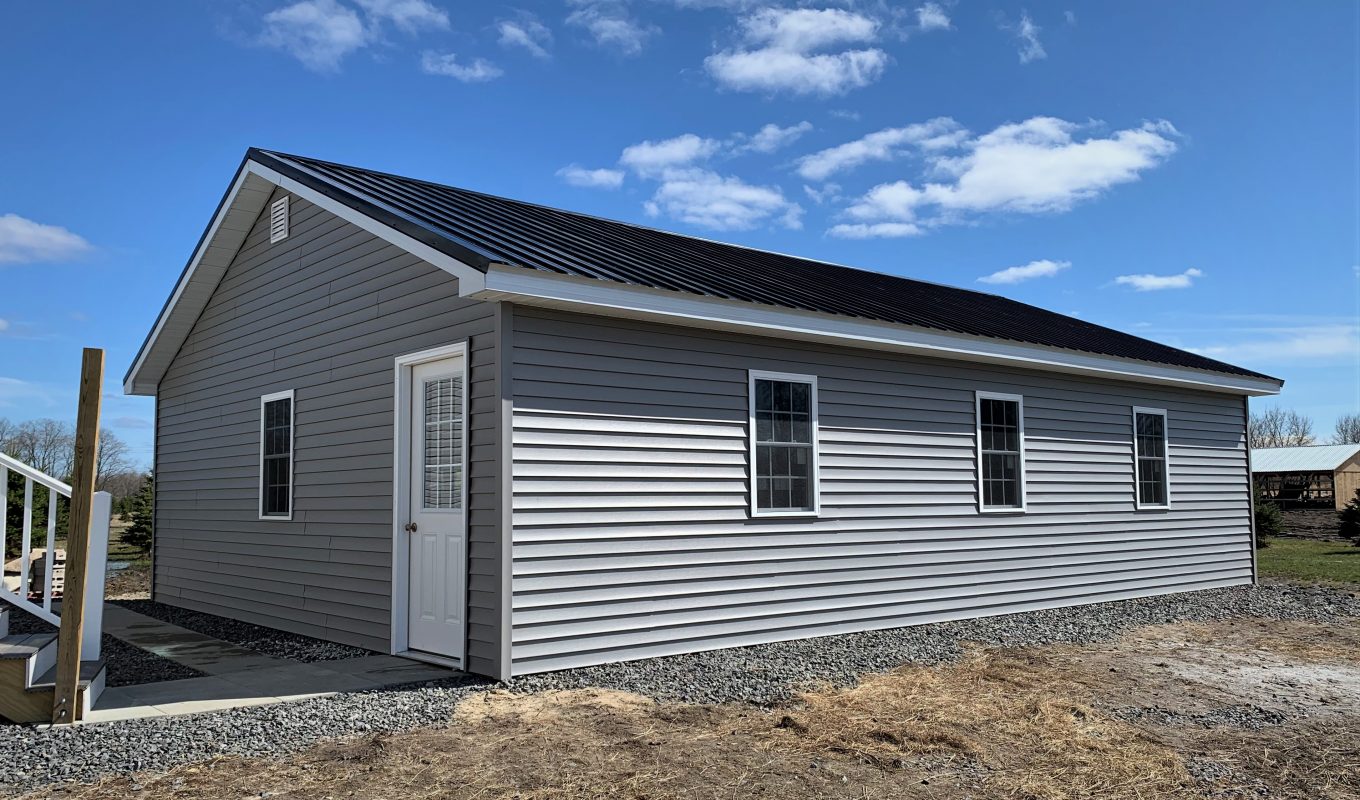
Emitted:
<point x="881" y="145"/>
<point x="772" y="137"/>
<point x="1154" y="283"/>
<point x="610" y="24"/>
<point x="4" y="325"/>
<point x="591" y="178"/>
<point x="1044" y="268"/>
<point x="779" y="53"/>
<point x="1036" y="166"/>
<point x="649" y="158"/>
<point x="877" y="230"/>
<point x="23" y="241"/>
<point x="829" y="193"/>
<point x="526" y="32"/>
<point x="319" y="33"/>
<point x="704" y="198"/>
<point x="410" y="16"/>
<point x="1320" y="343"/>
<point x="931" y="17"/>
<point x="479" y="70"/>
<point x="1031" y="49"/>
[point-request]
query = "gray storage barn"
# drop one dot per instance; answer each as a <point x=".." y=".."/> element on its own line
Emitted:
<point x="511" y="438"/>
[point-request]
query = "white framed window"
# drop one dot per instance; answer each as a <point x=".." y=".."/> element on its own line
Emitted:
<point x="784" y="467"/>
<point x="1151" y="468"/>
<point x="1000" y="452"/>
<point x="276" y="455"/>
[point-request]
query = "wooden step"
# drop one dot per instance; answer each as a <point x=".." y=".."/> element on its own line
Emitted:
<point x="24" y="657"/>
<point x="92" y="675"/>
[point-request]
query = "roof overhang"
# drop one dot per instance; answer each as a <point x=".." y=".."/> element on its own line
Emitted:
<point x="236" y="214"/>
<point x="537" y="288"/>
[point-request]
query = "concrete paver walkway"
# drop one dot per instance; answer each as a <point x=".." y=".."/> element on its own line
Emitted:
<point x="236" y="676"/>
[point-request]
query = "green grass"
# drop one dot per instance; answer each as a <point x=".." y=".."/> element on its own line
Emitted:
<point x="1307" y="560"/>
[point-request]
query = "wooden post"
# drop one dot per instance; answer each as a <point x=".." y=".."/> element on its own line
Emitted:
<point x="65" y="699"/>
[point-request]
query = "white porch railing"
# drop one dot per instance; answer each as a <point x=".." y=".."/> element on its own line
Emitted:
<point x="39" y="600"/>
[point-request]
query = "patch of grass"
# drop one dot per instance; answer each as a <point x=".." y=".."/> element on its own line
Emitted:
<point x="1312" y="561"/>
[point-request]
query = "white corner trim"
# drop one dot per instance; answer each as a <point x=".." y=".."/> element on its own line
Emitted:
<point x="816" y="488"/>
<point x="192" y="288"/>
<point x="1019" y="401"/>
<point x="586" y="295"/>
<point x="1138" y="503"/>
<point x="292" y="455"/>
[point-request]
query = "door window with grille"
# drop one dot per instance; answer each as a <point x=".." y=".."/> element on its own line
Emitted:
<point x="442" y="480"/>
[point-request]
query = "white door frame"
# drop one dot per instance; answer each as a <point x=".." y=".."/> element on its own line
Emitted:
<point x="401" y="495"/>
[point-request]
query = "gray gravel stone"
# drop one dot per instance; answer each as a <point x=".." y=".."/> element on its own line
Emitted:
<point x="37" y="756"/>
<point x="769" y="673"/>
<point x="279" y="644"/>
<point x="1235" y="716"/>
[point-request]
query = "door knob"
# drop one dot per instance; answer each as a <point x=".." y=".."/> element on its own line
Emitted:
<point x="410" y="527"/>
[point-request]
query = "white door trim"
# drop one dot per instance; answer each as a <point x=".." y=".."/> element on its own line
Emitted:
<point x="401" y="498"/>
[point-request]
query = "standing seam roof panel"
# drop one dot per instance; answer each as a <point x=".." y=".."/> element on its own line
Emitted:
<point x="566" y="243"/>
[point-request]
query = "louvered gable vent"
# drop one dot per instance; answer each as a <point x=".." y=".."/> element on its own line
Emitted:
<point x="278" y="220"/>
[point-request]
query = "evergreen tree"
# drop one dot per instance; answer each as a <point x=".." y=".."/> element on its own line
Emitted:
<point x="1350" y="520"/>
<point x="140" y="506"/>
<point x="1269" y="520"/>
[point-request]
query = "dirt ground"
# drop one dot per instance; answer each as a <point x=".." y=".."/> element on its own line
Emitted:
<point x="1311" y="523"/>
<point x="1232" y="709"/>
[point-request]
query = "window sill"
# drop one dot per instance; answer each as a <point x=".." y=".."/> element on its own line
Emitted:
<point x="783" y="514"/>
<point x="1151" y="508"/>
<point x="1010" y="511"/>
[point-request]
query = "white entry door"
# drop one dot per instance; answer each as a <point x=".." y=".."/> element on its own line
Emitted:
<point x="437" y="524"/>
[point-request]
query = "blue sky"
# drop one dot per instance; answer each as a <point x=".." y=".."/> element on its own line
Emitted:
<point x="1184" y="172"/>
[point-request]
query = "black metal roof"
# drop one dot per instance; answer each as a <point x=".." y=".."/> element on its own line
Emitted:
<point x="481" y="229"/>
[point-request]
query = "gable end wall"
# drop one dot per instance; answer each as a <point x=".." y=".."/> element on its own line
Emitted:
<point x="323" y="312"/>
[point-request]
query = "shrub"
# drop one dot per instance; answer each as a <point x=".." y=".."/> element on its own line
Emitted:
<point x="1269" y="521"/>
<point x="1350" y="519"/>
<point x="140" y="506"/>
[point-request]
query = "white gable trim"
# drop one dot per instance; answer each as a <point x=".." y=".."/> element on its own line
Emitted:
<point x="533" y="287"/>
<point x="226" y="233"/>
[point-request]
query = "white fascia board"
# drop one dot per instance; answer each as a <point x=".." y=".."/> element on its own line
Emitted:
<point x="536" y="288"/>
<point x="235" y="218"/>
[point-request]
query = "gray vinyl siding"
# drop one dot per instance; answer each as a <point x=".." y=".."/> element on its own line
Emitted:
<point x="632" y="535"/>
<point x="323" y="312"/>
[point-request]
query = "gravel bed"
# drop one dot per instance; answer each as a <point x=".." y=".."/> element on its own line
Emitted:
<point x="40" y="756"/>
<point x="766" y="674"/>
<point x="1252" y="718"/>
<point x="269" y="641"/>
<point x="125" y="665"/>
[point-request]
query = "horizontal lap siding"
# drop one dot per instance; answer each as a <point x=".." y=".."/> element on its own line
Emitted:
<point x="632" y="531"/>
<point x="323" y="312"/>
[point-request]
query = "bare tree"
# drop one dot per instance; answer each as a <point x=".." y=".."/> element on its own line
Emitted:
<point x="113" y="458"/>
<point x="49" y="445"/>
<point x="45" y="444"/>
<point x="1279" y="427"/>
<point x="1347" y="429"/>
